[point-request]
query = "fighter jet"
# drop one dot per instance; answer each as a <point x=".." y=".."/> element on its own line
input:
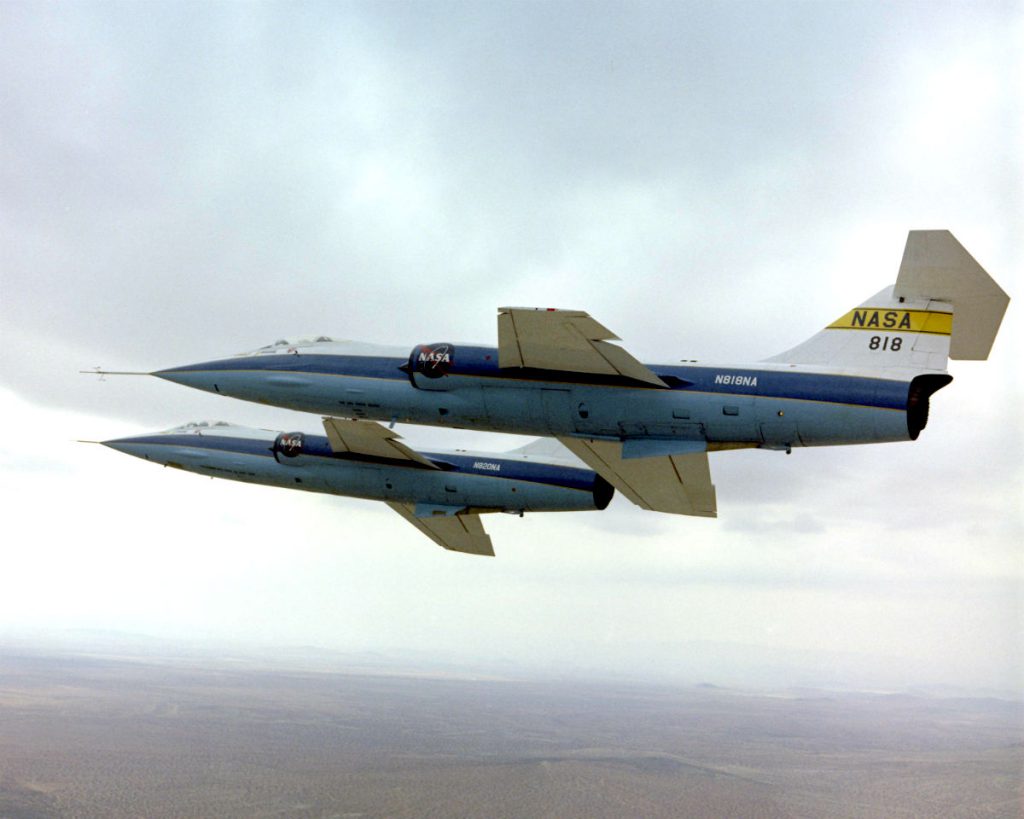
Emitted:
<point x="442" y="494"/>
<point x="867" y="377"/>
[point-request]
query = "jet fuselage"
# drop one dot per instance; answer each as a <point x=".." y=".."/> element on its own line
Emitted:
<point x="481" y="481"/>
<point x="774" y="406"/>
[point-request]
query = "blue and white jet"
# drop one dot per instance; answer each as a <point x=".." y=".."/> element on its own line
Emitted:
<point x="648" y="428"/>
<point x="442" y="494"/>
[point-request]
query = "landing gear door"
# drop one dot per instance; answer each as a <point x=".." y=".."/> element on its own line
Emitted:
<point x="779" y="434"/>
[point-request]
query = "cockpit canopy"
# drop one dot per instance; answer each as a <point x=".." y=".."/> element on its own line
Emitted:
<point x="220" y="428"/>
<point x="284" y="345"/>
<point x="325" y="345"/>
<point x="200" y="426"/>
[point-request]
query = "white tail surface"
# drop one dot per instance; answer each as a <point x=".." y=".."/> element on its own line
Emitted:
<point x="546" y="450"/>
<point x="943" y="305"/>
<point x="936" y="266"/>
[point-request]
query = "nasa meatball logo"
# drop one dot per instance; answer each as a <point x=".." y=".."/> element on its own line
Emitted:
<point x="289" y="444"/>
<point x="435" y="360"/>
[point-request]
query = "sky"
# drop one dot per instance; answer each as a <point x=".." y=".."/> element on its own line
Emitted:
<point x="183" y="181"/>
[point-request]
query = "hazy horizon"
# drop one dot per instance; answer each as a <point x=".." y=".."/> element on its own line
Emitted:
<point x="729" y="666"/>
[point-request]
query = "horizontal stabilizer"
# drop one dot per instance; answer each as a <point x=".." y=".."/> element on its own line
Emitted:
<point x="937" y="267"/>
<point x="457" y="533"/>
<point x="564" y="341"/>
<point x="370" y="439"/>
<point x="545" y="450"/>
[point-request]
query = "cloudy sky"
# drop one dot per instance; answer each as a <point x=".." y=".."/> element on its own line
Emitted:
<point x="183" y="181"/>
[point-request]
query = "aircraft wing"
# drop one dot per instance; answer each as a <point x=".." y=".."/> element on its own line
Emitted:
<point x="566" y="341"/>
<point x="456" y="532"/>
<point x="680" y="483"/>
<point x="371" y="439"/>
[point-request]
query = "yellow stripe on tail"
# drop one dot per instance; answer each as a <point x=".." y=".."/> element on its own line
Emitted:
<point x="911" y="321"/>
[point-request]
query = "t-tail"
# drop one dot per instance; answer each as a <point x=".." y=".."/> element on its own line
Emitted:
<point x="943" y="305"/>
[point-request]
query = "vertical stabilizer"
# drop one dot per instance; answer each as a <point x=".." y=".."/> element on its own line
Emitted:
<point x="884" y="332"/>
<point x="943" y="305"/>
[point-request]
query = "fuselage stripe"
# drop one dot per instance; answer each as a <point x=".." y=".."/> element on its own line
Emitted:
<point x="480" y="364"/>
<point x="567" y="477"/>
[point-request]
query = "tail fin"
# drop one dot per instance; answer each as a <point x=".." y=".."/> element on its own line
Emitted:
<point x="911" y="325"/>
<point x="547" y="450"/>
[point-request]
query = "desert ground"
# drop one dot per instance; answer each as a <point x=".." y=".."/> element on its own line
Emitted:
<point x="101" y="736"/>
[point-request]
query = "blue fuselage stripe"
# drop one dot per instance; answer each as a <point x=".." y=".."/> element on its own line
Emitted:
<point x="482" y="363"/>
<point x="318" y="446"/>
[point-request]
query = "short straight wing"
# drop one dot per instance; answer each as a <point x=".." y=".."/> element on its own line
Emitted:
<point x="371" y="439"/>
<point x="680" y="484"/>
<point x="565" y="341"/>
<point x="458" y="533"/>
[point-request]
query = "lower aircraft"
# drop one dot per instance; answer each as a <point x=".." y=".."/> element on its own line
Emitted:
<point x="867" y="377"/>
<point x="442" y="494"/>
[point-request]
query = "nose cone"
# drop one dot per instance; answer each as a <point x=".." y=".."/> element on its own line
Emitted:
<point x="139" y="446"/>
<point x="201" y="376"/>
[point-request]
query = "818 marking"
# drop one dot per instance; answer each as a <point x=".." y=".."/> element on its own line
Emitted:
<point x="885" y="343"/>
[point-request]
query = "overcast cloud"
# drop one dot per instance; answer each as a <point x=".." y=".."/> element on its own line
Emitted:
<point x="715" y="181"/>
